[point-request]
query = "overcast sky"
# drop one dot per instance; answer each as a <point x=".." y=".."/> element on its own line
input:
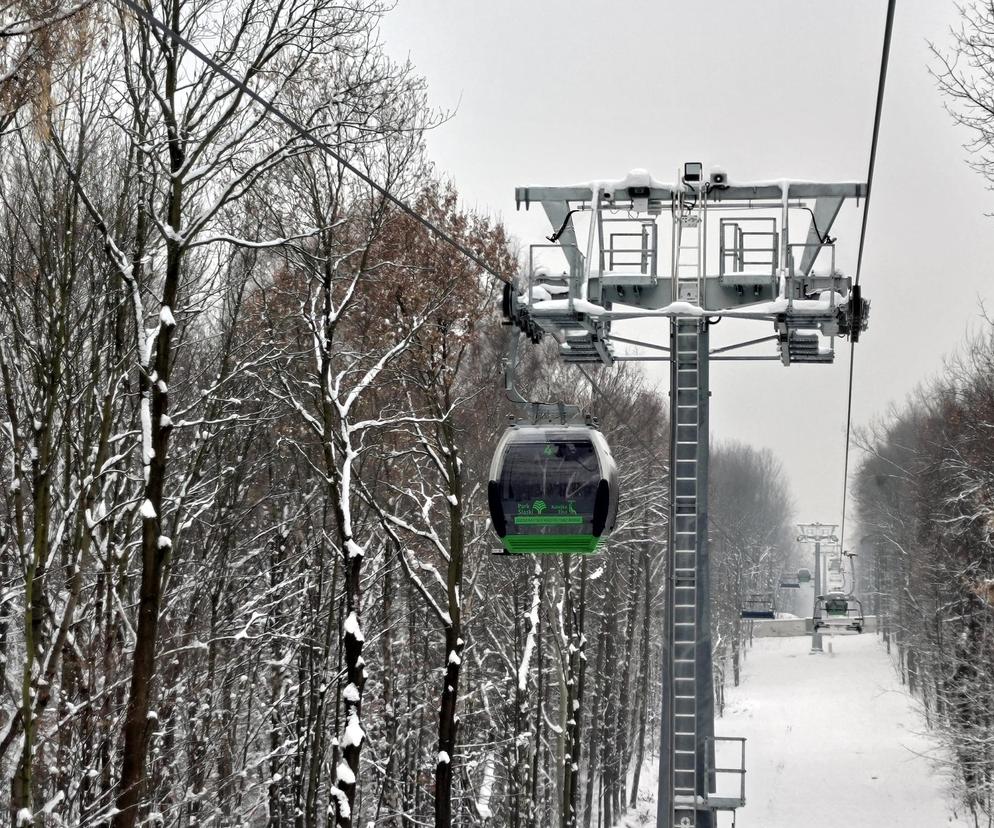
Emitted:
<point x="560" y="91"/>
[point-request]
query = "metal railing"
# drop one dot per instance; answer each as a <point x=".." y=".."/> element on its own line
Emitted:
<point x="643" y="254"/>
<point x="745" y="251"/>
<point x="724" y="801"/>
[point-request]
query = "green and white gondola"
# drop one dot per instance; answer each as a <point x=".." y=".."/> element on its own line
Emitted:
<point x="553" y="489"/>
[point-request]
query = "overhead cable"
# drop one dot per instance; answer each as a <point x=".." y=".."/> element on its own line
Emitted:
<point x="877" y="117"/>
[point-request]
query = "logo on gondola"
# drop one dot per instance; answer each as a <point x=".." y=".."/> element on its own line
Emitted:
<point x="549" y="450"/>
<point x="539" y="506"/>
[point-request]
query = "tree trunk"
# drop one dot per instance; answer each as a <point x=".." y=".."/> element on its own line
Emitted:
<point x="533" y="794"/>
<point x="154" y="393"/>
<point x="573" y="697"/>
<point x="391" y="795"/>
<point x="643" y="673"/>
<point x="595" y="772"/>
<point x="447" y="730"/>
<point x="447" y="718"/>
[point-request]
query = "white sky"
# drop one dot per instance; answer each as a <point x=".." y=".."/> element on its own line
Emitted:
<point x="559" y="91"/>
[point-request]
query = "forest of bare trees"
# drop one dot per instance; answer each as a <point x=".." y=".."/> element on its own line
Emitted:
<point x="247" y="407"/>
<point x="926" y="511"/>
<point x="925" y="492"/>
<point x="752" y="537"/>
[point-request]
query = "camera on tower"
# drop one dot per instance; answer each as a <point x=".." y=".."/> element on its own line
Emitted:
<point x="693" y="172"/>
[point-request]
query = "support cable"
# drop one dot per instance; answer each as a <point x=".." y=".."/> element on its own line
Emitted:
<point x="309" y="136"/>
<point x="877" y="117"/>
<point x="845" y="465"/>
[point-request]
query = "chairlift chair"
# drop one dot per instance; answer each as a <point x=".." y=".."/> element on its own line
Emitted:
<point x="758" y="606"/>
<point x="838" y="611"/>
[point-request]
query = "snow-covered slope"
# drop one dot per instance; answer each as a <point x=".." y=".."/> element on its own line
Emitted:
<point x="834" y="741"/>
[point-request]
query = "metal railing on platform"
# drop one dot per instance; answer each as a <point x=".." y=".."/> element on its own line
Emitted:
<point x="729" y="782"/>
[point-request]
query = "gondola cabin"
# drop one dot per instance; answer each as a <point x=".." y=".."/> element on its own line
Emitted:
<point x="553" y="489"/>
<point x="804" y="576"/>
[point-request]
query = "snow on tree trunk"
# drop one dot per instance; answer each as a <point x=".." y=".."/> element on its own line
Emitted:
<point x="573" y="673"/>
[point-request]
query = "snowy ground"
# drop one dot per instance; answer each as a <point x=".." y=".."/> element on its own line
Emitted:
<point x="833" y="740"/>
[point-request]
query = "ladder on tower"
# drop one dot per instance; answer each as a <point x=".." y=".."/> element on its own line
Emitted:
<point x="689" y="242"/>
<point x="687" y="790"/>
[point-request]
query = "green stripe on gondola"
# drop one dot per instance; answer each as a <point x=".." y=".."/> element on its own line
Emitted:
<point x="547" y="520"/>
<point x="551" y="544"/>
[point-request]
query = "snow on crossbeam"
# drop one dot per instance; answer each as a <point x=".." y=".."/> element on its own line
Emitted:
<point x="659" y="191"/>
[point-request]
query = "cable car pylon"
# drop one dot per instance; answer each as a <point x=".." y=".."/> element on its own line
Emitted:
<point x="616" y="276"/>
<point x="689" y="727"/>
